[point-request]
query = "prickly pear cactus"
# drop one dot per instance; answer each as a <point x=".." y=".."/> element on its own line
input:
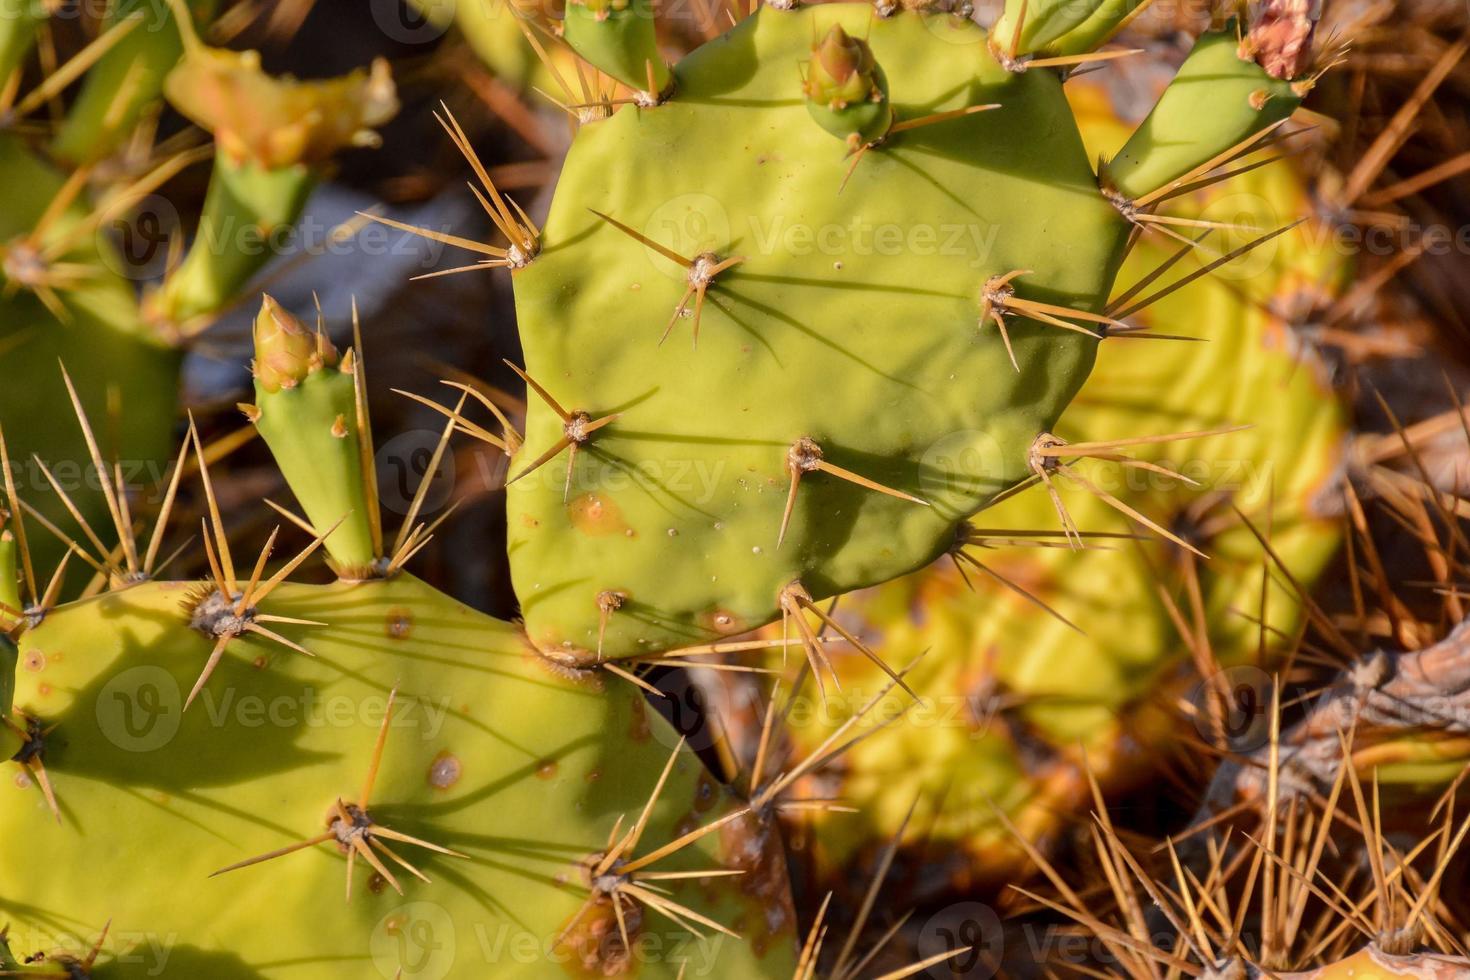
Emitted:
<point x="1017" y="702"/>
<point x="501" y="780"/>
<point x="279" y="748"/>
<point x="775" y="301"/>
<point x="803" y="304"/>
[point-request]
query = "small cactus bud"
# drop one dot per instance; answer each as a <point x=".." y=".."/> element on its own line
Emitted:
<point x="845" y="89"/>
<point x="842" y="71"/>
<point x="285" y="351"/>
<point x="1280" y="37"/>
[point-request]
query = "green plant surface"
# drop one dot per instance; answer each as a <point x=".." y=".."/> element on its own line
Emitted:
<point x="874" y="350"/>
<point x="306" y="408"/>
<point x="1015" y="702"/>
<point x="618" y="37"/>
<point x="522" y="767"/>
<point x="271" y="133"/>
<point x="1216" y="101"/>
<point x="110" y="353"/>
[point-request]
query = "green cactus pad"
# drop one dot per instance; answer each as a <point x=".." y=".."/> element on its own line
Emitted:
<point x="1043" y="23"/>
<point x="18" y="32"/>
<point x="493" y="752"/>
<point x="846" y="92"/>
<point x="246" y="207"/>
<point x="270" y="131"/>
<point x="853" y="320"/>
<point x="306" y="408"/>
<point x="9" y="579"/>
<point x="105" y="346"/>
<point x="1013" y="697"/>
<point x="1217" y="100"/>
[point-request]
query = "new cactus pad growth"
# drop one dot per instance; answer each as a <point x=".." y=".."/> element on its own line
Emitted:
<point x="846" y="91"/>
<point x="308" y="403"/>
<point x="270" y="134"/>
<point x="617" y="37"/>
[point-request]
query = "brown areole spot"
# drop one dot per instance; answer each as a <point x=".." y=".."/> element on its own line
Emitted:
<point x="445" y="770"/>
<point x="595" y="514"/>
<point x="399" y="623"/>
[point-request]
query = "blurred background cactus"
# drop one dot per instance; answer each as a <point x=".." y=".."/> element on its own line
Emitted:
<point x="697" y="526"/>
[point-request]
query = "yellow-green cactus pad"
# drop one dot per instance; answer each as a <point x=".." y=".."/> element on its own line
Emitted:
<point x="1012" y="696"/>
<point x="525" y="769"/>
